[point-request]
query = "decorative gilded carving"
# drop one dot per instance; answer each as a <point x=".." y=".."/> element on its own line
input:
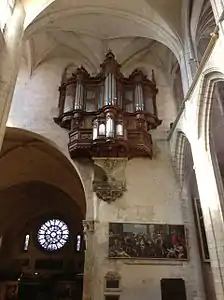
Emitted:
<point x="108" y="192"/>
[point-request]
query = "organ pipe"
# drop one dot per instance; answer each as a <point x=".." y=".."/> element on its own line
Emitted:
<point x="139" y="100"/>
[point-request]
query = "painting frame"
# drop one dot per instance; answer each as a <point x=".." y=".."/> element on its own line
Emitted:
<point x="141" y="245"/>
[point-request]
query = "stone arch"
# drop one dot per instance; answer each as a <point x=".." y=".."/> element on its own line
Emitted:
<point x="189" y="195"/>
<point x="26" y="156"/>
<point x="208" y="98"/>
<point x="210" y="78"/>
<point x="206" y="24"/>
<point x="157" y="30"/>
<point x="38" y="184"/>
<point x="182" y="150"/>
<point x="179" y="150"/>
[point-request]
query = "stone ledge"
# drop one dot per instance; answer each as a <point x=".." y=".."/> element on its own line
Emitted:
<point x="128" y="261"/>
<point x="155" y="262"/>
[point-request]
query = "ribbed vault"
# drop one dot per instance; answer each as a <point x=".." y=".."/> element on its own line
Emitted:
<point x="84" y="30"/>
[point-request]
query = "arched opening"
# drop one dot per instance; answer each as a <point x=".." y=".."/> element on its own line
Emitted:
<point x="211" y="124"/>
<point x="206" y="25"/>
<point x="42" y="208"/>
<point x="191" y="184"/>
<point x="186" y="173"/>
<point x="215" y="129"/>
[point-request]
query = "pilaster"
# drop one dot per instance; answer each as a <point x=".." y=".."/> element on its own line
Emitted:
<point x="88" y="278"/>
<point x="10" y="62"/>
<point x="212" y="213"/>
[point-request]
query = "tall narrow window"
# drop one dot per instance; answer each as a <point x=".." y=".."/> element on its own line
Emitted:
<point x="26" y="242"/>
<point x="78" y="243"/>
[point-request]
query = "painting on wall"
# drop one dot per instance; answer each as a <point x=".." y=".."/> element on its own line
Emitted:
<point x="147" y="241"/>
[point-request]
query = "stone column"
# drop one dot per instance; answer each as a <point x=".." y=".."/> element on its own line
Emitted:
<point x="88" y="278"/>
<point x="212" y="213"/>
<point x="9" y="62"/>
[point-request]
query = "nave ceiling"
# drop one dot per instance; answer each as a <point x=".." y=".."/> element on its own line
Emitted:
<point x="139" y="33"/>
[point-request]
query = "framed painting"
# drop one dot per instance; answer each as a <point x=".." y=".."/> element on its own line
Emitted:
<point x="147" y="241"/>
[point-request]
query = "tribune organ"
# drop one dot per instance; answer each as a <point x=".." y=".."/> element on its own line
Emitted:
<point x="108" y="115"/>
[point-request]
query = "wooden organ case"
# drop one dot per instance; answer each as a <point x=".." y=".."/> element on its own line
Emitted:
<point x="108" y="116"/>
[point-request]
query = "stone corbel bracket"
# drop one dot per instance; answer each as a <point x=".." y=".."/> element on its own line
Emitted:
<point x="109" y="182"/>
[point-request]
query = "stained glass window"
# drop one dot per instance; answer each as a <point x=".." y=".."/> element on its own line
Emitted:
<point x="26" y="242"/>
<point x="78" y="243"/>
<point x="53" y="235"/>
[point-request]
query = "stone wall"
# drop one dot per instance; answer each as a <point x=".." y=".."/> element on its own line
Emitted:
<point x="152" y="196"/>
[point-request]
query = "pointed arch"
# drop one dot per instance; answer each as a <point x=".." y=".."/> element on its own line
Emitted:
<point x="209" y="79"/>
<point x="179" y="155"/>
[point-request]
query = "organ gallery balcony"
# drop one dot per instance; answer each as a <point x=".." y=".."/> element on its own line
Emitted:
<point x="108" y="115"/>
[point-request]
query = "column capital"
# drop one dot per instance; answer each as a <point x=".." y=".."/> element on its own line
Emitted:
<point x="88" y="226"/>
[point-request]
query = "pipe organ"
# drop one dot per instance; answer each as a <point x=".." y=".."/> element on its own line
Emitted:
<point x="108" y="115"/>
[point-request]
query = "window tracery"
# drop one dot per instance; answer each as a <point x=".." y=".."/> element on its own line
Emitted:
<point x="53" y="235"/>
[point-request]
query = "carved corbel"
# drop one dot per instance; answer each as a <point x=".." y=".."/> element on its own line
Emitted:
<point x="109" y="178"/>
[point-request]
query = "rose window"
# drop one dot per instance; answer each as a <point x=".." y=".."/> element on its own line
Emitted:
<point x="53" y="235"/>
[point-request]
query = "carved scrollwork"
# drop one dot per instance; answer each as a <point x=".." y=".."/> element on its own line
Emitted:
<point x="109" y="192"/>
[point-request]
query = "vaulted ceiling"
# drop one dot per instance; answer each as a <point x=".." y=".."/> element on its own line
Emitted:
<point x="83" y="30"/>
<point x="136" y="31"/>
